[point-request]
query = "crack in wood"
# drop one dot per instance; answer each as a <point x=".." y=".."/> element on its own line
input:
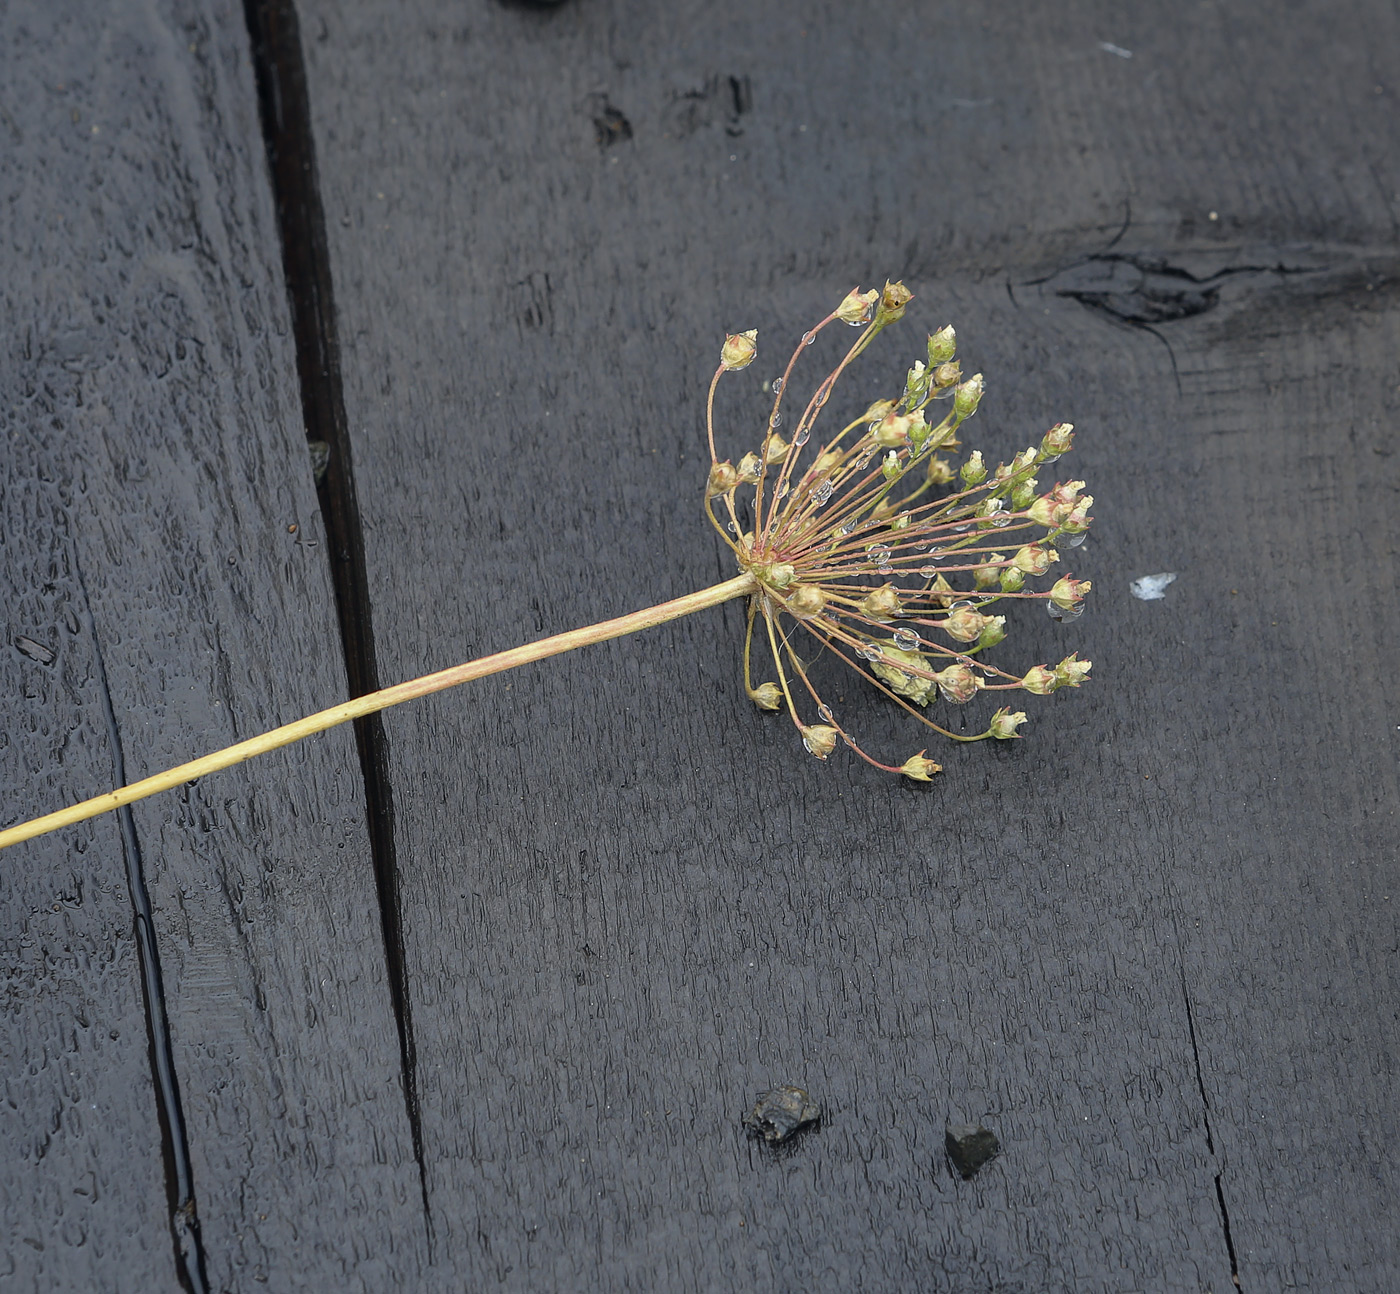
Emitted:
<point x="1146" y="291"/>
<point x="1225" y="1226"/>
<point x="1142" y="290"/>
<point x="286" y="121"/>
<point x="1210" y="1139"/>
<point x="175" y="1147"/>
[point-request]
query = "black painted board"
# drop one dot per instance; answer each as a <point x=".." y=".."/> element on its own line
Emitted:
<point x="1152" y="945"/>
<point x="165" y="593"/>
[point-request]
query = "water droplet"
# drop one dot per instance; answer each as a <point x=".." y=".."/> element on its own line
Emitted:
<point x="906" y="639"/>
<point x="777" y="385"/>
<point x="996" y="513"/>
<point x="1051" y="458"/>
<point x="928" y="572"/>
<point x="994" y="510"/>
<point x="958" y="605"/>
<point x="776" y="420"/>
<point x="1062" y="614"/>
<point x="808" y="338"/>
<point x="1072" y="541"/>
<point x="781" y="491"/>
<point x="803" y="436"/>
<point x="823" y="395"/>
<point x="825" y="713"/>
<point x="870" y="652"/>
<point x="732" y="528"/>
<point x="880" y="552"/>
<point x="822" y="493"/>
<point x="864" y="460"/>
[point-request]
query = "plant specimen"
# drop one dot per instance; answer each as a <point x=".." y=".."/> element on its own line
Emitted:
<point x="873" y="545"/>
<point x="884" y="554"/>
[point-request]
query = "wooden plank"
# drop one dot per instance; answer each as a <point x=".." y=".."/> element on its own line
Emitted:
<point x="1134" y="944"/>
<point x="82" y="1190"/>
<point x="164" y="593"/>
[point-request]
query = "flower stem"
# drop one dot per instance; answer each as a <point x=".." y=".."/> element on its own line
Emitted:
<point x="739" y="586"/>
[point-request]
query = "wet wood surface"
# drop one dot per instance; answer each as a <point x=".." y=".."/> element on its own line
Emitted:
<point x="1152" y="946"/>
<point x="165" y="593"/>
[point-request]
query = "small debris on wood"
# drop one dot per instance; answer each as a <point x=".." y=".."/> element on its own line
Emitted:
<point x="320" y="459"/>
<point x="780" y="1112"/>
<point x="34" y="650"/>
<point x="970" y="1145"/>
<point x="1150" y="588"/>
<point x="609" y="125"/>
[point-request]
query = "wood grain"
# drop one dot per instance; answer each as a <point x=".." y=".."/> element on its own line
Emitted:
<point x="1150" y="945"/>
<point x="160" y="545"/>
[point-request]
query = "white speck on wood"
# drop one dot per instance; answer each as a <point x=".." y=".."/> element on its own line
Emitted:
<point x="1152" y="587"/>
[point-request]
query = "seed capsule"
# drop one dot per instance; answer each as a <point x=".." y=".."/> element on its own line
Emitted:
<point x="739" y="350"/>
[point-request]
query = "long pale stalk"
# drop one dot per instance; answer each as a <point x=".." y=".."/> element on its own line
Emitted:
<point x="738" y="587"/>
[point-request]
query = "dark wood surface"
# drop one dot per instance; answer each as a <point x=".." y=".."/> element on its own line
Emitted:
<point x="155" y="466"/>
<point x="1153" y="946"/>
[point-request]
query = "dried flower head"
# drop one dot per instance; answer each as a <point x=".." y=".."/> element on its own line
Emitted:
<point x="875" y="546"/>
